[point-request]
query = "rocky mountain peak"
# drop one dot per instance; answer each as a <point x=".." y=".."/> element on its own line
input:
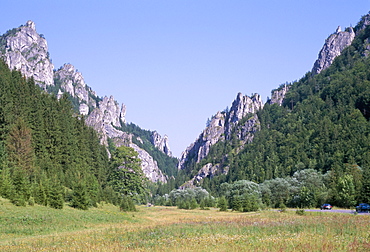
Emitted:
<point x="243" y="105"/>
<point x="71" y="81"/>
<point x="221" y="126"/>
<point x="332" y="48"/>
<point x="277" y="95"/>
<point x="25" y="50"/>
<point x="31" y="25"/>
<point x="161" y="143"/>
<point x="106" y="119"/>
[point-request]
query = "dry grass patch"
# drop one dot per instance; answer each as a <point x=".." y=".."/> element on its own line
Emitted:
<point x="172" y="229"/>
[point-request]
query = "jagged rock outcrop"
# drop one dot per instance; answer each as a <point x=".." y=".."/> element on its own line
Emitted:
<point x="25" y="50"/>
<point x="208" y="170"/>
<point x="221" y="127"/>
<point x="241" y="107"/>
<point x="149" y="165"/>
<point x="161" y="143"/>
<point x="278" y="95"/>
<point x="69" y="80"/>
<point x="332" y="48"/>
<point x="105" y="119"/>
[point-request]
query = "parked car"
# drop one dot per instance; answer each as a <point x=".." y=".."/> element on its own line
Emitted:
<point x="326" y="207"/>
<point x="363" y="207"/>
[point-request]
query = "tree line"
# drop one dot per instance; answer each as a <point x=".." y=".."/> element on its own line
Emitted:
<point x="48" y="155"/>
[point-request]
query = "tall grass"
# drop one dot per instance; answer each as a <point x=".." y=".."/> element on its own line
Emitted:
<point x="172" y="229"/>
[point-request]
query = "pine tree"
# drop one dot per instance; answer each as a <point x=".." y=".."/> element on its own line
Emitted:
<point x="7" y="189"/>
<point x="22" y="187"/>
<point x="365" y="192"/>
<point x="222" y="203"/>
<point x="41" y="190"/>
<point x="80" y="198"/>
<point x="56" y="199"/>
<point x="19" y="147"/>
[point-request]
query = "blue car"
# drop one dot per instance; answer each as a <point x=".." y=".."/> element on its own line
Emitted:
<point x="363" y="207"/>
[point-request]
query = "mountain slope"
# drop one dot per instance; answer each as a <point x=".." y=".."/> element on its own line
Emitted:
<point x="24" y="49"/>
<point x="319" y="122"/>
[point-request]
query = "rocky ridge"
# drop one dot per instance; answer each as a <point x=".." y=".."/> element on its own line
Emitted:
<point x="277" y="95"/>
<point x="208" y="170"/>
<point x="68" y="80"/>
<point x="25" y="50"/>
<point x="161" y="143"/>
<point x="332" y="48"/>
<point x="221" y="126"/>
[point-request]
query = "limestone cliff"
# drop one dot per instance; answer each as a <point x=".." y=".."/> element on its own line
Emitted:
<point x="278" y="95"/>
<point x="69" y="80"/>
<point x="25" y="50"/>
<point x="223" y="125"/>
<point x="161" y="143"/>
<point x="208" y="170"/>
<point x="332" y="48"/>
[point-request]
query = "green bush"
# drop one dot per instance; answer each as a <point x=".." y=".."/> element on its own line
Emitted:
<point x="300" y="212"/>
<point x="127" y="205"/>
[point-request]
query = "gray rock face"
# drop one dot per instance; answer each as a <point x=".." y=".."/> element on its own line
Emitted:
<point x="208" y="170"/>
<point x="332" y="48"/>
<point x="244" y="105"/>
<point x="72" y="82"/>
<point x="278" y="95"/>
<point x="221" y="126"/>
<point x="161" y="143"/>
<point x="105" y="118"/>
<point x="25" y="50"/>
<point x="149" y="165"/>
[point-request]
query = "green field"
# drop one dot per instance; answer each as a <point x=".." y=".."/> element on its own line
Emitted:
<point x="157" y="228"/>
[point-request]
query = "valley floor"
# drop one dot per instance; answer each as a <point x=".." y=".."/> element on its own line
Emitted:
<point x="170" y="229"/>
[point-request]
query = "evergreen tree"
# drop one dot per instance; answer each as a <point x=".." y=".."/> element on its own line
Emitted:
<point x="80" y="198"/>
<point x="222" y="203"/>
<point x="365" y="192"/>
<point x="19" y="147"/>
<point x="22" y="187"/>
<point x="7" y="189"/>
<point x="56" y="199"/>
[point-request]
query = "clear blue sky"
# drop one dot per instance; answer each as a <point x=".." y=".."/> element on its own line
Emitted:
<point x="176" y="63"/>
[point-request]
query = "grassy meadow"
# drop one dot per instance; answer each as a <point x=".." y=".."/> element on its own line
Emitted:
<point x="157" y="228"/>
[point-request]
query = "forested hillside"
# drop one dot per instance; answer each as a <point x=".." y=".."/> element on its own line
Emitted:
<point x="48" y="155"/>
<point x="323" y="125"/>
